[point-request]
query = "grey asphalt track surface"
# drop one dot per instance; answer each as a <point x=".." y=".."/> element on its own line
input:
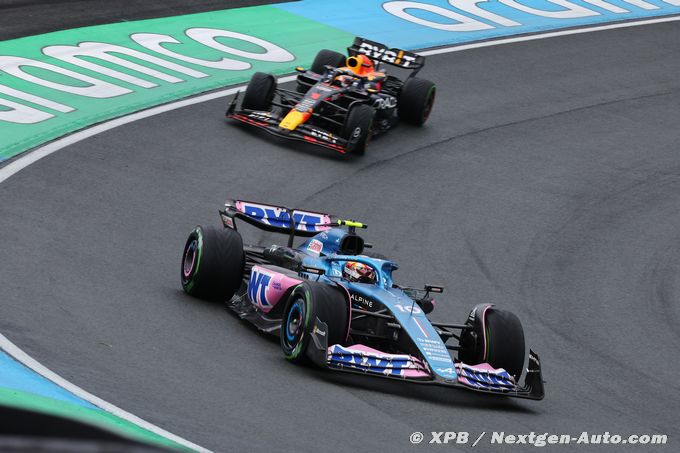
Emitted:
<point x="547" y="182"/>
<point x="20" y="18"/>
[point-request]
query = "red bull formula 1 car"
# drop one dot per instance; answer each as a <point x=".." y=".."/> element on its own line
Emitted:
<point x="340" y="103"/>
<point x="340" y="308"/>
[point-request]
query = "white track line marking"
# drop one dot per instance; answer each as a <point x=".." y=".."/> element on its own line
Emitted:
<point x="33" y="156"/>
<point x="552" y="34"/>
<point x="28" y="361"/>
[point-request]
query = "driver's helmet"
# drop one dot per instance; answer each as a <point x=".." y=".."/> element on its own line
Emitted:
<point x="358" y="272"/>
<point x="360" y="64"/>
<point x="343" y="80"/>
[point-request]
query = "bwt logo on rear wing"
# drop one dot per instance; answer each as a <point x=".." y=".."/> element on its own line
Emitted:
<point x="276" y="218"/>
<point x="381" y="53"/>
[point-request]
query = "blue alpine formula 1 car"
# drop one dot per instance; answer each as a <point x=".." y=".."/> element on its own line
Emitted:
<point x="337" y="306"/>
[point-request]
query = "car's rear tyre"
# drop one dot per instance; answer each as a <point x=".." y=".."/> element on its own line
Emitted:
<point x="259" y="92"/>
<point x="212" y="263"/>
<point x="358" y="128"/>
<point x="307" y="302"/>
<point x="416" y="100"/>
<point x="498" y="341"/>
<point x="327" y="57"/>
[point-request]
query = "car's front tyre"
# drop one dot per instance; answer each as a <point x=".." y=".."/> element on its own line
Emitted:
<point x="308" y="302"/>
<point x="495" y="337"/>
<point x="259" y="92"/>
<point x="358" y="128"/>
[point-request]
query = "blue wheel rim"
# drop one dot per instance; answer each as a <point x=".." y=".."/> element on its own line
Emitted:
<point x="294" y="323"/>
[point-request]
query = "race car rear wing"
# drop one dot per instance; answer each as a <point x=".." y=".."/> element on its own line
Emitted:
<point x="279" y="219"/>
<point x="381" y="53"/>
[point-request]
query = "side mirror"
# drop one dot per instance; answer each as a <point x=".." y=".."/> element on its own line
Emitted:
<point x="434" y="289"/>
<point x="313" y="270"/>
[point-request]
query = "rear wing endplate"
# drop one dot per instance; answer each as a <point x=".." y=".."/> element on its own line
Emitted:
<point x="381" y="53"/>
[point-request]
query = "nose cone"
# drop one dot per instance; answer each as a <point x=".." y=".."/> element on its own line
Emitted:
<point x="293" y="120"/>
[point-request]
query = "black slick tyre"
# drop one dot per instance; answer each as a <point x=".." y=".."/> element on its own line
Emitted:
<point x="212" y="263"/>
<point x="259" y="92"/>
<point x="495" y="337"/>
<point x="416" y="100"/>
<point x="325" y="58"/>
<point x="308" y="302"/>
<point x="358" y="128"/>
<point x="505" y="341"/>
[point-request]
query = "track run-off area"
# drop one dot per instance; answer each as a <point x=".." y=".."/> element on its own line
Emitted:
<point x="547" y="181"/>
